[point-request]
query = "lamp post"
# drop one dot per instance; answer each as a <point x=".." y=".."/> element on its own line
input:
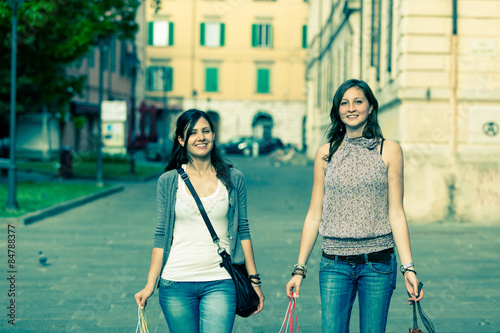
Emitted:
<point x="11" y="198"/>
<point x="134" y="62"/>
<point x="102" y="44"/>
<point x="167" y="77"/>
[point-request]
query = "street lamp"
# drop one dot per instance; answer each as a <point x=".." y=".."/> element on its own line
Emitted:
<point x="134" y="62"/>
<point x="102" y="44"/>
<point x="167" y="79"/>
<point x="11" y="198"/>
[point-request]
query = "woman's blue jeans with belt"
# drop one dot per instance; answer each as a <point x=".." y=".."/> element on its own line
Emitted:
<point x="339" y="282"/>
<point x="198" y="307"/>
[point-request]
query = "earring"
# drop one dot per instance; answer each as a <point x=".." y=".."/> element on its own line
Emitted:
<point x="341" y="128"/>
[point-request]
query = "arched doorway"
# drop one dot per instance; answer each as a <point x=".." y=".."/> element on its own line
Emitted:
<point x="262" y="126"/>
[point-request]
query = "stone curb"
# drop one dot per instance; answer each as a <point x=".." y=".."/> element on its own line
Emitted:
<point x="41" y="214"/>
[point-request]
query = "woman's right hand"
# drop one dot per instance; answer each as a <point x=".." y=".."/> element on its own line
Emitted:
<point x="142" y="296"/>
<point x="294" y="282"/>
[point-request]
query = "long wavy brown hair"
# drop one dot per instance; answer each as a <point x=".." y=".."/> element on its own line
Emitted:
<point x="185" y="124"/>
<point x="336" y="130"/>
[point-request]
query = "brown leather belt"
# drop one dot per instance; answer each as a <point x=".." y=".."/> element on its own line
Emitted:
<point x="380" y="256"/>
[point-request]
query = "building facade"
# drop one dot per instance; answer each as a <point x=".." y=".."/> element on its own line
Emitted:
<point x="434" y="66"/>
<point x="41" y="134"/>
<point x="80" y="131"/>
<point x="242" y="61"/>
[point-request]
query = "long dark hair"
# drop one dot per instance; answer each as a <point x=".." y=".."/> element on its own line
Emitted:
<point x="185" y="124"/>
<point x="336" y="131"/>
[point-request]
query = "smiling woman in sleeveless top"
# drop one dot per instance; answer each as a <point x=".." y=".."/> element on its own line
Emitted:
<point x="357" y="206"/>
<point x="197" y="294"/>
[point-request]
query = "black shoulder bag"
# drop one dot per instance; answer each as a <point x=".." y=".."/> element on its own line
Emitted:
<point x="247" y="300"/>
<point x="425" y="319"/>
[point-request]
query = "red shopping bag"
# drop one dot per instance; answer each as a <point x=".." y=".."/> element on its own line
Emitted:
<point x="290" y="323"/>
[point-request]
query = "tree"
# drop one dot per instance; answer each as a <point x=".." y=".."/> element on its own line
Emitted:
<point x="51" y="35"/>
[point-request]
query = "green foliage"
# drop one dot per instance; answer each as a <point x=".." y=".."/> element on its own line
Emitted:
<point x="51" y="35"/>
<point x="106" y="158"/>
<point x="32" y="196"/>
<point x="79" y="122"/>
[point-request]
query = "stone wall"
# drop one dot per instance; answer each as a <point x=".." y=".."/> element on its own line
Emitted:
<point x="236" y="118"/>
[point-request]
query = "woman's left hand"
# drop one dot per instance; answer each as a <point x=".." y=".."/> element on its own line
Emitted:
<point x="412" y="287"/>
<point x="259" y="292"/>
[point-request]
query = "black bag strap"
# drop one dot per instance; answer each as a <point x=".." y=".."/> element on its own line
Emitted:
<point x="211" y="229"/>
<point x="425" y="319"/>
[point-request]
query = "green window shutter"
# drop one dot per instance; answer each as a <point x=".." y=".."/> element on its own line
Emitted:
<point x="304" y="36"/>
<point x="169" y="77"/>
<point x="211" y="80"/>
<point x="202" y="34"/>
<point x="170" y="33"/>
<point x="222" y="34"/>
<point x="150" y="33"/>
<point x="269" y="36"/>
<point x="254" y="35"/>
<point x="149" y="78"/>
<point x="262" y="80"/>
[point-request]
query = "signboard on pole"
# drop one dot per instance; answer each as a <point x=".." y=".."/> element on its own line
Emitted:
<point x="114" y="111"/>
<point x="114" y="119"/>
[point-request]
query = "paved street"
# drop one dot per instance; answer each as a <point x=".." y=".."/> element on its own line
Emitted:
<point x="98" y="257"/>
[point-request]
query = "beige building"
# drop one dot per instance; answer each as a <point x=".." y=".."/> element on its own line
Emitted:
<point x="41" y="134"/>
<point x="243" y="61"/>
<point x="434" y="66"/>
<point x="80" y="130"/>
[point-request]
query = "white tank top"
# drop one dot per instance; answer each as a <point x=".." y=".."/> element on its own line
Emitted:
<point x="193" y="255"/>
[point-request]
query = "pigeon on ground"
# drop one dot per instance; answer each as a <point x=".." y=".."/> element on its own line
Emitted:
<point x="42" y="258"/>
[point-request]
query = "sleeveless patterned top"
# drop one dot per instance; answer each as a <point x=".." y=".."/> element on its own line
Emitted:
<point x="355" y="217"/>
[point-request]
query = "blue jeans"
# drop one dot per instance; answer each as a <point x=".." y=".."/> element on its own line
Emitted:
<point x="198" y="307"/>
<point x="339" y="282"/>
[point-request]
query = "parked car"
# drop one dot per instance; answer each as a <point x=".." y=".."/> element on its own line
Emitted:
<point x="244" y="146"/>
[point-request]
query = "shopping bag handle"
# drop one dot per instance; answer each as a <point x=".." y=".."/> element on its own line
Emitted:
<point x="290" y="317"/>
<point x="142" y="322"/>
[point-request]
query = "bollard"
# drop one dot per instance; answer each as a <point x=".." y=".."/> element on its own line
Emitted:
<point x="5" y="154"/>
<point x="255" y="149"/>
<point x="66" y="161"/>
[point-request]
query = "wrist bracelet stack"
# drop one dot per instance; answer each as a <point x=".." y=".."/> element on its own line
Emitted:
<point x="299" y="269"/>
<point x="255" y="280"/>
<point x="407" y="268"/>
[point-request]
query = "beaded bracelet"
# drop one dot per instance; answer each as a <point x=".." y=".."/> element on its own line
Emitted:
<point x="301" y="266"/>
<point x="409" y="270"/>
<point x="254" y="277"/>
<point x="299" y="272"/>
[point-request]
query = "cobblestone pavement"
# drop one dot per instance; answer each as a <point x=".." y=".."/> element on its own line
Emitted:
<point x="98" y="257"/>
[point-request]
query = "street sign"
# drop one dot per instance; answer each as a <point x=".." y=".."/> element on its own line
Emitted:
<point x="114" y="111"/>
<point x="114" y="118"/>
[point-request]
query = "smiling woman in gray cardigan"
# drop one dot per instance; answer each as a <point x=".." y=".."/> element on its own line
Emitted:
<point x="196" y="294"/>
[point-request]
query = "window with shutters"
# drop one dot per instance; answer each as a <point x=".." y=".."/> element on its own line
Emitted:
<point x="263" y="82"/>
<point x="161" y="33"/>
<point x="262" y="35"/>
<point x="159" y="78"/>
<point x="211" y="79"/>
<point x="212" y="34"/>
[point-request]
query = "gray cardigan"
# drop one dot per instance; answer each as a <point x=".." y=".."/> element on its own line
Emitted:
<point x="238" y="229"/>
